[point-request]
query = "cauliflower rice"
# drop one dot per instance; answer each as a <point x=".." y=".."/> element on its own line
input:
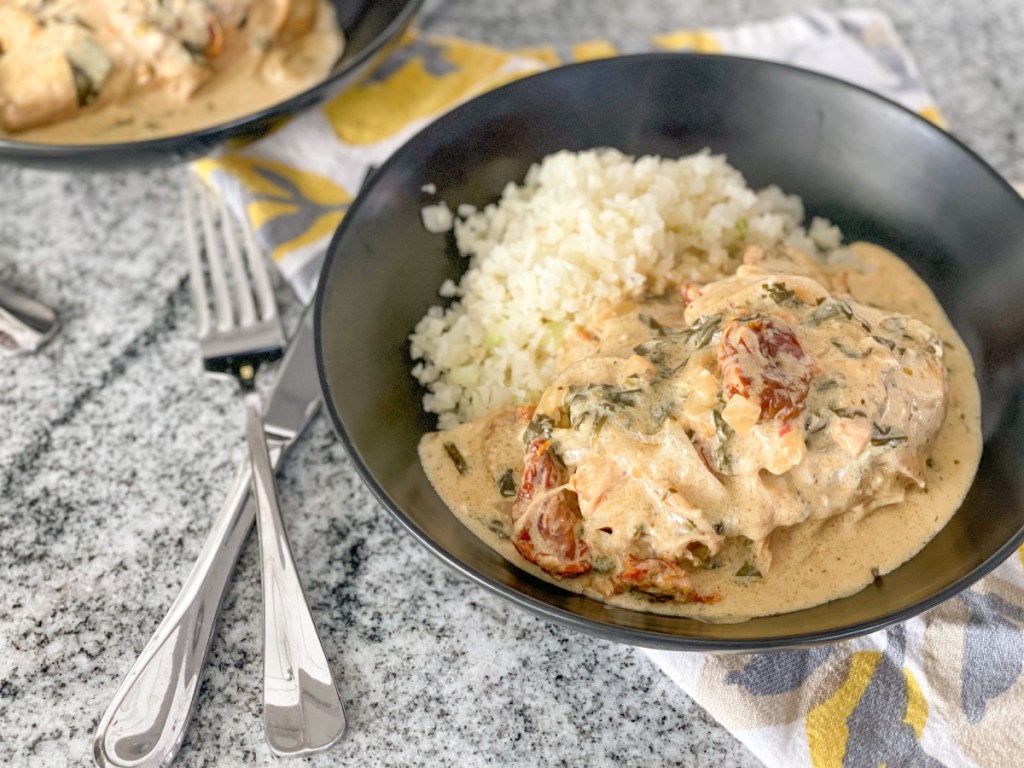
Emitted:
<point x="583" y="232"/>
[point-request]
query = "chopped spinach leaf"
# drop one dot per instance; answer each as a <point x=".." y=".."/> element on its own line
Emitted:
<point x="86" y="90"/>
<point x="847" y="413"/>
<point x="748" y="571"/>
<point x="721" y="455"/>
<point x="541" y="426"/>
<point x="781" y="295"/>
<point x="883" y="437"/>
<point x="653" y="324"/>
<point x="887" y="343"/>
<point x="746" y="318"/>
<point x="652" y="350"/>
<point x="457" y="458"/>
<point x="498" y="528"/>
<point x="836" y="309"/>
<point x="700" y="333"/>
<point x="507" y="484"/>
<point x="700" y="554"/>
<point x="815" y="423"/>
<point x="851" y="353"/>
<point x="598" y="400"/>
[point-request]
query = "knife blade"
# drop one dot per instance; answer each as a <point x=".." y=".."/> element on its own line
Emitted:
<point x="145" y="723"/>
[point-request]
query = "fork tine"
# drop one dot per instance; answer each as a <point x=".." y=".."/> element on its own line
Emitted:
<point x="243" y="290"/>
<point x="215" y="262"/>
<point x="197" y="279"/>
<point x="258" y="269"/>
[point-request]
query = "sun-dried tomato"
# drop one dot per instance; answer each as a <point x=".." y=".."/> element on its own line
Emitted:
<point x="761" y="359"/>
<point x="545" y="520"/>
<point x="660" y="578"/>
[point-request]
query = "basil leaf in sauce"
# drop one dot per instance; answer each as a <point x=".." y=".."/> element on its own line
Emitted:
<point x="700" y="554"/>
<point x="541" y="426"/>
<point x="653" y="324"/>
<point x="883" y="437"/>
<point x="836" y="309"/>
<point x="507" y="484"/>
<point x="597" y="401"/>
<point x="848" y="352"/>
<point x="748" y="571"/>
<point x="887" y="343"/>
<point x="457" y="458"/>
<point x="700" y="333"/>
<point x="652" y="350"/>
<point x="721" y="455"/>
<point x="498" y="528"/>
<point x="781" y="295"/>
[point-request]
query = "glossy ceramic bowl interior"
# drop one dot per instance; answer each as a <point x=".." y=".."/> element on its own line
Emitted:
<point x="878" y="171"/>
<point x="371" y="28"/>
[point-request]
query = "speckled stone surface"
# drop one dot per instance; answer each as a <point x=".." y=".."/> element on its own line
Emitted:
<point x="114" y="452"/>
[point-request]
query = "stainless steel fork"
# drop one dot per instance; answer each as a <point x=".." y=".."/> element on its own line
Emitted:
<point x="25" y="324"/>
<point x="302" y="711"/>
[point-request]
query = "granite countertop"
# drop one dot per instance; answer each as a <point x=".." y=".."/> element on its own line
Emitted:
<point x="115" y="451"/>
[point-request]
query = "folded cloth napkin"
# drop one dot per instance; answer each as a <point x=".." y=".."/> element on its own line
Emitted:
<point x="943" y="688"/>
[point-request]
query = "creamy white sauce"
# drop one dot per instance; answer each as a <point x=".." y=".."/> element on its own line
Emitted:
<point x="244" y="80"/>
<point x="811" y="562"/>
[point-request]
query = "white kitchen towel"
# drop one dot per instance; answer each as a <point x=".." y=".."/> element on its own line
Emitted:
<point x="944" y="688"/>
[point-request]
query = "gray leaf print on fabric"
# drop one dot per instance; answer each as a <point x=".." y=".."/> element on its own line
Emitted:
<point x="993" y="651"/>
<point x="287" y="226"/>
<point x="816" y="23"/>
<point x="852" y="28"/>
<point x="769" y="674"/>
<point x="878" y="734"/>
<point x="896" y="64"/>
<point x="433" y="58"/>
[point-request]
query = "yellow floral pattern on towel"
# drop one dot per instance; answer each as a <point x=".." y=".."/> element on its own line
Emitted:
<point x="944" y="688"/>
<point x="290" y="208"/>
<point x="422" y="78"/>
<point x="294" y="198"/>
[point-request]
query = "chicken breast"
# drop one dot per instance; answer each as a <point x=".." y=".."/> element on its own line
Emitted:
<point x="778" y="402"/>
<point x="60" y="59"/>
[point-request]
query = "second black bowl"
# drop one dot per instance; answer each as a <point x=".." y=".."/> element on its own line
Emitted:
<point x="371" y="29"/>
<point x="877" y="170"/>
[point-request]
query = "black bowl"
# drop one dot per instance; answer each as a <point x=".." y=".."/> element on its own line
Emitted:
<point x="371" y="28"/>
<point x="877" y="170"/>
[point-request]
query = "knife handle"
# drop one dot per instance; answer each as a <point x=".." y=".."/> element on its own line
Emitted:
<point x="302" y="711"/>
<point x="146" y="721"/>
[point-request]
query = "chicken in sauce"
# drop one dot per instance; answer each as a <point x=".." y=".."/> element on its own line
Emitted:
<point x="94" y="70"/>
<point x="697" y="444"/>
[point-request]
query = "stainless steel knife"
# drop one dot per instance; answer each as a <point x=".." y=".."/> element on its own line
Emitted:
<point x="146" y="721"/>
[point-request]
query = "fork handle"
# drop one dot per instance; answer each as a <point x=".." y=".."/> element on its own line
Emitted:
<point x="146" y="721"/>
<point x="25" y="324"/>
<point x="302" y="711"/>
